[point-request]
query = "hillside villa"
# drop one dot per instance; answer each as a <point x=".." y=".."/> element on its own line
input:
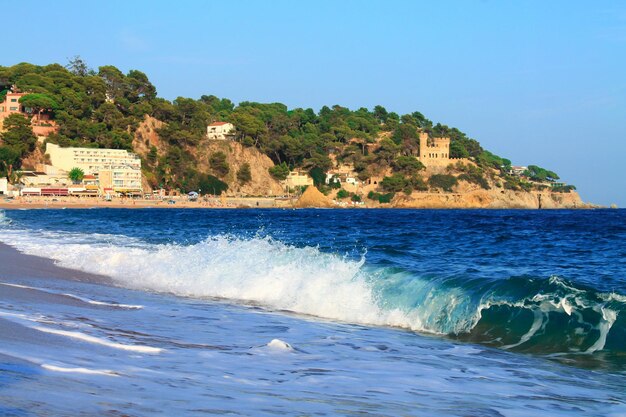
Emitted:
<point x="41" y="122"/>
<point x="221" y="131"/>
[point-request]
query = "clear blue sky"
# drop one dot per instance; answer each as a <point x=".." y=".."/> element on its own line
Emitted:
<point x="538" y="82"/>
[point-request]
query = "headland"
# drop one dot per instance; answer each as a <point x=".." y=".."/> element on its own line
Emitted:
<point x="107" y="140"/>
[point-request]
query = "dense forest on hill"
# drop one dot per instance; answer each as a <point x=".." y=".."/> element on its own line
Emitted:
<point x="103" y="108"/>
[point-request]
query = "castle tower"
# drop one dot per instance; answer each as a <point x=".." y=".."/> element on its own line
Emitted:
<point x="434" y="152"/>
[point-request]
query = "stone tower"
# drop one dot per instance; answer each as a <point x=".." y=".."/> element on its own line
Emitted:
<point x="435" y="151"/>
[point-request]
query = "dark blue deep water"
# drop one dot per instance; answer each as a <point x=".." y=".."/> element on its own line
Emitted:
<point x="547" y="288"/>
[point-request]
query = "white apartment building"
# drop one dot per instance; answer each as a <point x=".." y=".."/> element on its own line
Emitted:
<point x="117" y="170"/>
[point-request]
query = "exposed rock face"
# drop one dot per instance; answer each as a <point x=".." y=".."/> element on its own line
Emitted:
<point x="35" y="158"/>
<point x="146" y="136"/>
<point x="261" y="184"/>
<point x="494" y="198"/>
<point x="312" y="197"/>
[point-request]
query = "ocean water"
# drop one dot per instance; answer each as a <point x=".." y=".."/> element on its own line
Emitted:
<point x="317" y="312"/>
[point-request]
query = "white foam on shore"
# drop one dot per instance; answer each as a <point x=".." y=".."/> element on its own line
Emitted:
<point x="65" y="368"/>
<point x="86" y="371"/>
<point x="21" y="317"/>
<point x="76" y="297"/>
<point x="91" y="339"/>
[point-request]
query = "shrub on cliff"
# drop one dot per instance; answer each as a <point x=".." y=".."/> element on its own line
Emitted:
<point x="418" y="184"/>
<point x="243" y="174"/>
<point x="394" y="184"/>
<point x="563" y="189"/>
<point x="280" y="171"/>
<point x="381" y="198"/>
<point x="443" y="181"/>
<point x="385" y="198"/>
<point x="341" y="194"/>
<point x="472" y="174"/>
<point x="212" y="185"/>
<point x="219" y="164"/>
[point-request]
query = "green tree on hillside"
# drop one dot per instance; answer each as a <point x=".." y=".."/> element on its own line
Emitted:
<point x="18" y="134"/>
<point x="387" y="151"/>
<point x="408" y="165"/>
<point x="78" y="66"/>
<point x="9" y="160"/>
<point x="38" y="102"/>
<point x="536" y="173"/>
<point x="318" y="175"/>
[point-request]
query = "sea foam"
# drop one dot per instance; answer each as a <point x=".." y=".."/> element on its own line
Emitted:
<point x="75" y="297"/>
<point x="95" y="340"/>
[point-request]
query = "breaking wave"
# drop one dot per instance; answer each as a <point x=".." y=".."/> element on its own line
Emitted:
<point x="542" y="315"/>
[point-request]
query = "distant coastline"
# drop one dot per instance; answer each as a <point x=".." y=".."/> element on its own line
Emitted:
<point x="116" y="139"/>
<point x="428" y="201"/>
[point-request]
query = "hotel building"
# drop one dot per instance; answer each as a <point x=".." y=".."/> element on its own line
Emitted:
<point x="117" y="170"/>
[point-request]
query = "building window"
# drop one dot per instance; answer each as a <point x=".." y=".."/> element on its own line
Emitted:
<point x="13" y="108"/>
<point x="13" y="100"/>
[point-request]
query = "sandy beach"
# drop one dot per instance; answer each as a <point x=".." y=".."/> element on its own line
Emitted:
<point x="127" y="203"/>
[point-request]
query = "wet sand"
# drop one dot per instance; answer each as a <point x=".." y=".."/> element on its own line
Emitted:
<point x="16" y="265"/>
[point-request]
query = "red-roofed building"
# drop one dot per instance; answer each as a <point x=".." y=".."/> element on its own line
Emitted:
<point x="221" y="131"/>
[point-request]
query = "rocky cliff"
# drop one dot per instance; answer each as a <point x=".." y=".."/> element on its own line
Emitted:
<point x="493" y="199"/>
<point x="261" y="183"/>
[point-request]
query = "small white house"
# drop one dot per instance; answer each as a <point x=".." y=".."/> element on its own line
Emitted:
<point x="220" y="131"/>
<point x="4" y="186"/>
<point x="517" y="170"/>
<point x="331" y="178"/>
